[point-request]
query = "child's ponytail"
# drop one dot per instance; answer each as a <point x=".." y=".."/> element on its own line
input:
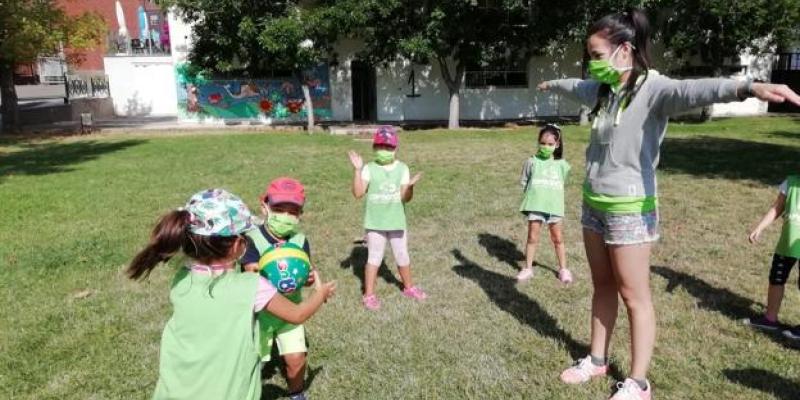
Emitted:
<point x="167" y="238"/>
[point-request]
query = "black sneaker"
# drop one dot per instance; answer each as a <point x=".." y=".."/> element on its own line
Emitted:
<point x="762" y="323"/>
<point x="792" y="333"/>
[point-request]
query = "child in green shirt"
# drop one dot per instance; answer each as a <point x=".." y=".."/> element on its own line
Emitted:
<point x="209" y="348"/>
<point x="787" y="252"/>
<point x="388" y="186"/>
<point x="542" y="180"/>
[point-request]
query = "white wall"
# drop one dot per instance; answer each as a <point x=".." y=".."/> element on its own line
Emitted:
<point x="393" y="104"/>
<point x="476" y="103"/>
<point x="142" y="85"/>
<point x="180" y="37"/>
<point x="340" y="79"/>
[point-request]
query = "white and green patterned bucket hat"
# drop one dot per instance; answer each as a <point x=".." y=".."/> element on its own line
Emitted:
<point x="217" y="212"/>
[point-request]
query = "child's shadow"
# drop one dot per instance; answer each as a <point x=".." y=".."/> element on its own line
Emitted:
<point x="275" y="366"/>
<point x="506" y="251"/>
<point x="357" y="260"/>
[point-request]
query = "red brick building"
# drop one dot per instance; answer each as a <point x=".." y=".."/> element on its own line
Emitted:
<point x="93" y="60"/>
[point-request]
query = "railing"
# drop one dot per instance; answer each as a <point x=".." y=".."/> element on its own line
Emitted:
<point x="86" y="86"/>
<point x="786" y="62"/>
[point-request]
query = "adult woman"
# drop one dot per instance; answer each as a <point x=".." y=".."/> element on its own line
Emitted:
<point x="632" y="104"/>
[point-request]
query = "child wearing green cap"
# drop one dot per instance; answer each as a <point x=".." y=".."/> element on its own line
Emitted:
<point x="209" y="347"/>
<point x="542" y="180"/>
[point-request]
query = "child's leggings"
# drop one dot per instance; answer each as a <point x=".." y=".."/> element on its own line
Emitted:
<point x="376" y="245"/>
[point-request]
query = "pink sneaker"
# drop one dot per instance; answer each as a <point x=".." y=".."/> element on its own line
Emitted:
<point x="525" y="274"/>
<point x="630" y="390"/>
<point x="565" y="276"/>
<point x="415" y="293"/>
<point x="371" y="302"/>
<point x="583" y="371"/>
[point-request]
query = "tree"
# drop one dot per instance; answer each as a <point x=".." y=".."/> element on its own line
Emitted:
<point x="29" y="28"/>
<point x="455" y="34"/>
<point x="235" y="38"/>
<point x="718" y="30"/>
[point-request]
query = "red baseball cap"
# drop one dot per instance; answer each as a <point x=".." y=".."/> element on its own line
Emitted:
<point x="284" y="190"/>
<point x="385" y="135"/>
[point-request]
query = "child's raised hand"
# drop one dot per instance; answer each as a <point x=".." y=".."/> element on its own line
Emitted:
<point x="355" y="159"/>
<point x="754" y="235"/>
<point x="414" y="179"/>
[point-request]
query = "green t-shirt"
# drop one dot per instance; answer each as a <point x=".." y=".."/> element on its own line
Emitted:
<point x="209" y="346"/>
<point x="789" y="242"/>
<point x="269" y="324"/>
<point x="544" y="191"/>
<point x="384" y="210"/>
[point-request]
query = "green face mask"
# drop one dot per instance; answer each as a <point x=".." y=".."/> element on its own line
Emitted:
<point x="605" y="72"/>
<point x="545" y="152"/>
<point x="282" y="225"/>
<point x="384" y="156"/>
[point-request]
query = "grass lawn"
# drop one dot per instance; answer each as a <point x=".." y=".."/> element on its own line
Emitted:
<point x="75" y="210"/>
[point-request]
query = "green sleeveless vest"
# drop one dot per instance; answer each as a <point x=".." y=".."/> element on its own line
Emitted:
<point x="384" y="210"/>
<point x="544" y="191"/>
<point x="269" y="324"/>
<point x="209" y="345"/>
<point x="789" y="243"/>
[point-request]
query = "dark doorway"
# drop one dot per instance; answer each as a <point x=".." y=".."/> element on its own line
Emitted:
<point x="364" y="91"/>
<point x="786" y="70"/>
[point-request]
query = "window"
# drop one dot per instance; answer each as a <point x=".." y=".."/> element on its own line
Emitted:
<point x="498" y="74"/>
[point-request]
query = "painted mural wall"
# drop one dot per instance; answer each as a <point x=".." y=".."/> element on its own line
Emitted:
<point x="266" y="100"/>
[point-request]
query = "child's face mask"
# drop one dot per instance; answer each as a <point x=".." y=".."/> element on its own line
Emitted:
<point x="546" y="151"/>
<point x="384" y="156"/>
<point x="282" y="224"/>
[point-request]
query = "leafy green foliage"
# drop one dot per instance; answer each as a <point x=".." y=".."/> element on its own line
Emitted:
<point x="714" y="30"/>
<point x="30" y="28"/>
<point x="257" y="38"/>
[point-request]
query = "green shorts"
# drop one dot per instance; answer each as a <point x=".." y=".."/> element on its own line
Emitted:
<point x="290" y="340"/>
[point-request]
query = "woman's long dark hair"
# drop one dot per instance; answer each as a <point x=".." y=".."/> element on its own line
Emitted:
<point x="555" y="131"/>
<point x="631" y="26"/>
<point x="170" y="235"/>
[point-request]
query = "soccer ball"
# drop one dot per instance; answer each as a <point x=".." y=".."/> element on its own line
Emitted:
<point x="287" y="267"/>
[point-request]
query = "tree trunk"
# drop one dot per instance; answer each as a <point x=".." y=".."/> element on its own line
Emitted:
<point x="309" y="107"/>
<point x="8" y="96"/>
<point x="452" y="122"/>
<point x="454" y="87"/>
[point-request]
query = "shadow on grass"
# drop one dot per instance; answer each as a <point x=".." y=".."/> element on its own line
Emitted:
<point x="765" y="381"/>
<point x="712" y="298"/>
<point x="506" y="251"/>
<point x="502" y="291"/>
<point x="357" y="260"/>
<point x="274" y="366"/>
<point x="784" y="134"/>
<point x="713" y="157"/>
<point x="49" y="158"/>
